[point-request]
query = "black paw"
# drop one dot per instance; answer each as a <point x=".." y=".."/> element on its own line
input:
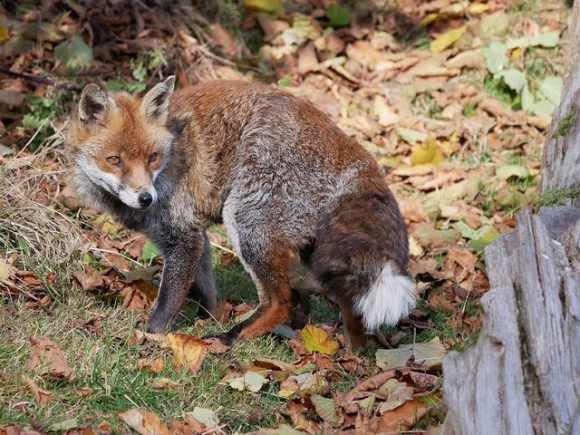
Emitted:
<point x="225" y="338"/>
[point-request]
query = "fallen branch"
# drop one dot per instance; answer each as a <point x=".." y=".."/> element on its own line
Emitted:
<point x="69" y="86"/>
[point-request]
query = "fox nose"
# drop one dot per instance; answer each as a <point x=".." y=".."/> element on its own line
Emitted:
<point x="145" y="199"/>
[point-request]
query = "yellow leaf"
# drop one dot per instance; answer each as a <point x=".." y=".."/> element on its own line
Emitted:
<point x="429" y="18"/>
<point x="478" y="8"/>
<point x="188" y="351"/>
<point x="516" y="53"/>
<point x="270" y="6"/>
<point x="447" y="39"/>
<point x="427" y="152"/>
<point x="317" y="339"/>
<point x="4" y="34"/>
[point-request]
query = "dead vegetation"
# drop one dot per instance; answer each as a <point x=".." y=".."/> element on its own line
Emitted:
<point x="453" y="98"/>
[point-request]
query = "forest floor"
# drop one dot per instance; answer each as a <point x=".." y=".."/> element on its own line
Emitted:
<point x="454" y="100"/>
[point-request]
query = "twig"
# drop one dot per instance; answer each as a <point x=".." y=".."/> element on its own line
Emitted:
<point x="44" y="80"/>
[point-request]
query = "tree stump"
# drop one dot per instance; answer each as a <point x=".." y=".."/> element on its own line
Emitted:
<point x="523" y="375"/>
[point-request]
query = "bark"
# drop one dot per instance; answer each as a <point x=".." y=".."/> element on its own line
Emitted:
<point x="561" y="157"/>
<point x="523" y="374"/>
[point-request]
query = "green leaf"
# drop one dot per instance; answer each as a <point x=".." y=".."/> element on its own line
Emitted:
<point x="285" y="81"/>
<point x="546" y="40"/>
<point x="482" y="242"/>
<point x="493" y="25"/>
<point x="411" y="136"/>
<point x="496" y="58"/>
<point x="337" y="15"/>
<point x="514" y="78"/>
<point x="150" y="251"/>
<point x="527" y="99"/>
<point x="326" y="408"/>
<point x="507" y="171"/>
<point x="74" y="53"/>
<point x="551" y="88"/>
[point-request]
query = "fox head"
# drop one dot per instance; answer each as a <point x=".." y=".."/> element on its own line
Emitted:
<point x="120" y="142"/>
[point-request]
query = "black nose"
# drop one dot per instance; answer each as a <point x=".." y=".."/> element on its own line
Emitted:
<point x="145" y="199"/>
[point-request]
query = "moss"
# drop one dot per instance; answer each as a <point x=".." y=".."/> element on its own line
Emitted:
<point x="557" y="197"/>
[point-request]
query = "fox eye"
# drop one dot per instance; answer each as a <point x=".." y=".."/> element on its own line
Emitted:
<point x="153" y="157"/>
<point x="114" y="160"/>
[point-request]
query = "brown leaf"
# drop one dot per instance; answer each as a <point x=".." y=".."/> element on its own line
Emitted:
<point x="134" y="300"/>
<point x="89" y="281"/>
<point x="40" y="396"/>
<point x="363" y="389"/>
<point x="272" y="364"/>
<point x="216" y="346"/>
<point x="153" y="366"/>
<point x="143" y="422"/>
<point x="402" y="418"/>
<point x="165" y="383"/>
<point x="307" y="60"/>
<point x="188" y="351"/>
<point x="46" y="356"/>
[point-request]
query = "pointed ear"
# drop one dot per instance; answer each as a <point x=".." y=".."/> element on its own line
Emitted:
<point x="93" y="104"/>
<point x="156" y="102"/>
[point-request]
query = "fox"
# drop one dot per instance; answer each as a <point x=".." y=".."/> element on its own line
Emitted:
<point x="282" y="178"/>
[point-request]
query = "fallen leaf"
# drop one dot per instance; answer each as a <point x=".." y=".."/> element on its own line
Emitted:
<point x="318" y="340"/>
<point x="89" y="281"/>
<point x="162" y="383"/>
<point x="326" y="409"/>
<point x="429" y="354"/>
<point x="447" y="39"/>
<point x="402" y="418"/>
<point x="40" y="396"/>
<point x="427" y="152"/>
<point x="46" y="357"/>
<point x="143" y="422"/>
<point x="205" y="416"/>
<point x="251" y="381"/>
<point x="188" y="351"/>
<point x="396" y="393"/>
<point x="385" y="113"/>
<point x="153" y="366"/>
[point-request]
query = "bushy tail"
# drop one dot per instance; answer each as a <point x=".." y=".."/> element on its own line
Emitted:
<point x="390" y="298"/>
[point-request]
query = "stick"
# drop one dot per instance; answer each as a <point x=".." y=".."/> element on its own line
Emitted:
<point x="44" y="80"/>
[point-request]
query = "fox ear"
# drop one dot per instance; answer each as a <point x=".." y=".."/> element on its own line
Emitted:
<point x="155" y="102"/>
<point x="93" y="104"/>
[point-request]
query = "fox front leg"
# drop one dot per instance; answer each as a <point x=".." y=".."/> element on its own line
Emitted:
<point x="182" y="254"/>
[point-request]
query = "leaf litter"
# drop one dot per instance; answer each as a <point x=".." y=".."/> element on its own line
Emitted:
<point x="455" y="115"/>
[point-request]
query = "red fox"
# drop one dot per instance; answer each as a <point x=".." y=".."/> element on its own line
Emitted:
<point x="282" y="178"/>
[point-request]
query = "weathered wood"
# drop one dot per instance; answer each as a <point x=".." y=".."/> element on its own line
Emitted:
<point x="561" y="157"/>
<point x="523" y="375"/>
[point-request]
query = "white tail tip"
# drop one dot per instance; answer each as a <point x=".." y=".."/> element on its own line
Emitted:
<point x="389" y="299"/>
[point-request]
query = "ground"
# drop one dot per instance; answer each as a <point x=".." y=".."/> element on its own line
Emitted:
<point x="454" y="100"/>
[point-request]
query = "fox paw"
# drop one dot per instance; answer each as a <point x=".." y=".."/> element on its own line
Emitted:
<point x="224" y="338"/>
